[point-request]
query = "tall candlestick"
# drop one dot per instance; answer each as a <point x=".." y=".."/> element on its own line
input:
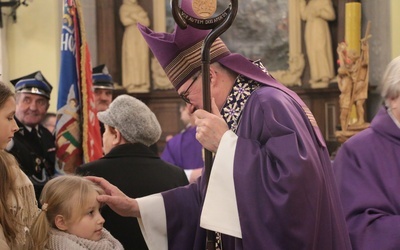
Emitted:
<point x="353" y="26"/>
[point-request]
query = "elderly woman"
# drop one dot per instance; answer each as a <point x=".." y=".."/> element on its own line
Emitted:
<point x="129" y="163"/>
<point x="367" y="168"/>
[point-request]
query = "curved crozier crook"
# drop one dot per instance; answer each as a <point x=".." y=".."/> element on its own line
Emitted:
<point x="183" y="19"/>
<point x="176" y="14"/>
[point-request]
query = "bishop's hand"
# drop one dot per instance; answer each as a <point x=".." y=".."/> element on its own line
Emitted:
<point x="210" y="127"/>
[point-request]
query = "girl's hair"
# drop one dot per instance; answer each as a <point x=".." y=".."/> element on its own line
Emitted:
<point x="8" y="176"/>
<point x="5" y="93"/>
<point x="65" y="195"/>
<point x="390" y="85"/>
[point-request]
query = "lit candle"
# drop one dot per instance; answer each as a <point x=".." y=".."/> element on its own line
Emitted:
<point x="353" y="26"/>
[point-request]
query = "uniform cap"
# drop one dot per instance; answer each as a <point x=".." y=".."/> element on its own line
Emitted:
<point x="102" y="78"/>
<point x="34" y="83"/>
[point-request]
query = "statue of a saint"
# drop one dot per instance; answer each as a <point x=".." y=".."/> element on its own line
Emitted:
<point x="345" y="84"/>
<point x="353" y="85"/>
<point x="135" y="52"/>
<point x="361" y="79"/>
<point x="317" y="13"/>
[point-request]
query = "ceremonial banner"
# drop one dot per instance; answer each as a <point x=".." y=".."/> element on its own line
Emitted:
<point x="78" y="138"/>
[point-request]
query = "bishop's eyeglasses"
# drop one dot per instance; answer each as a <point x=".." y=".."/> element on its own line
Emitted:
<point x="184" y="95"/>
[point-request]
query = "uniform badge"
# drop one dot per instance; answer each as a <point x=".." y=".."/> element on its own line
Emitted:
<point x="38" y="162"/>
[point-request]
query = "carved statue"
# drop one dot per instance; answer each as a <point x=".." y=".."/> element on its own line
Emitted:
<point x="353" y="84"/>
<point x="317" y="13"/>
<point x="135" y="52"/>
<point x="361" y="79"/>
<point x="345" y="84"/>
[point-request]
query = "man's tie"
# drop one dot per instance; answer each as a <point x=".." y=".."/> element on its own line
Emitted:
<point x="34" y="136"/>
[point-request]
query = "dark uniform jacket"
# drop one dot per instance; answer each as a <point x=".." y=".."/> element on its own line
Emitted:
<point x="137" y="171"/>
<point x="35" y="154"/>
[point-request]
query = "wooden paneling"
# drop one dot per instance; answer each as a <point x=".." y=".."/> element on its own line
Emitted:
<point x="324" y="104"/>
<point x="106" y="39"/>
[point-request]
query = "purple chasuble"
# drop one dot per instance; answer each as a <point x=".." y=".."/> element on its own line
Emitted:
<point x="367" y="169"/>
<point x="184" y="151"/>
<point x="286" y="194"/>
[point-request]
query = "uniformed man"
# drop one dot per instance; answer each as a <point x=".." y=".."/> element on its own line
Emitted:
<point x="33" y="145"/>
<point x="103" y="87"/>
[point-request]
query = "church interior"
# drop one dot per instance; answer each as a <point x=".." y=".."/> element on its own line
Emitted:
<point x="30" y="41"/>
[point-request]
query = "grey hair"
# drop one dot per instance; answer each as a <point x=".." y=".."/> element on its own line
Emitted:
<point x="390" y="85"/>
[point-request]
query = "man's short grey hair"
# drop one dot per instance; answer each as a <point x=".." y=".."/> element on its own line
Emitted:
<point x="390" y="85"/>
<point x="135" y="121"/>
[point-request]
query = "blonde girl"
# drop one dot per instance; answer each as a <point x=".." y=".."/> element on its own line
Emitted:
<point x="70" y="217"/>
<point x="18" y="205"/>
